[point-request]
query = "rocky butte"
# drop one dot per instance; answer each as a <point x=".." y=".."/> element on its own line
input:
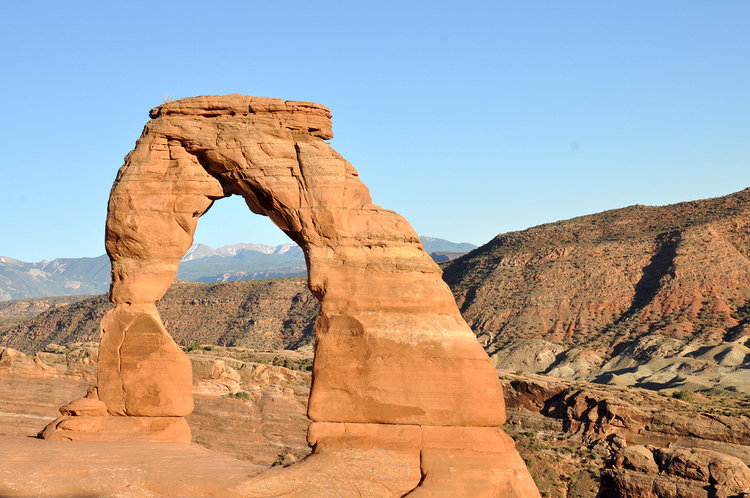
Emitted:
<point x="404" y="400"/>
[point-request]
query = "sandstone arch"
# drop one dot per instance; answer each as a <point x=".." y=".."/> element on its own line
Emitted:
<point x="396" y="367"/>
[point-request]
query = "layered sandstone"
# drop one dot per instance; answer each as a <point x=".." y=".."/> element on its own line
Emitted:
<point x="603" y="280"/>
<point x="392" y="351"/>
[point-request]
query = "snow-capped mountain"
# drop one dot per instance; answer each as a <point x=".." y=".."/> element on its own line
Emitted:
<point x="201" y="263"/>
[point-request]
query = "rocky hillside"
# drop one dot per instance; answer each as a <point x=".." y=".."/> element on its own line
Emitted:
<point x="604" y="279"/>
<point x="266" y="314"/>
<point x="585" y="440"/>
<point x="645" y="282"/>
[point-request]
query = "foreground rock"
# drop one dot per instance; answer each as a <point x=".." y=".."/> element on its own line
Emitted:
<point x="127" y="468"/>
<point x="260" y="418"/>
<point x="393" y="355"/>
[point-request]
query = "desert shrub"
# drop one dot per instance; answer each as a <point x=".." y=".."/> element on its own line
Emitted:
<point x="241" y="395"/>
<point x="197" y="347"/>
<point x="284" y="458"/>
<point x="681" y="395"/>
<point x="304" y="365"/>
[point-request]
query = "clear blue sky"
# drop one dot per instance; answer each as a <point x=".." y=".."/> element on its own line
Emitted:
<point x="468" y="118"/>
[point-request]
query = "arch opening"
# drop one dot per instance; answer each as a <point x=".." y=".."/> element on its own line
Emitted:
<point x="231" y="244"/>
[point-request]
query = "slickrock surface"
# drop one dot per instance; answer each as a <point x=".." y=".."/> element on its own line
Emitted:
<point x="123" y="469"/>
<point x="392" y="350"/>
<point x="236" y="437"/>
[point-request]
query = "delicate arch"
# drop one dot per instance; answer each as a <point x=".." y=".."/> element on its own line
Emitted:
<point x="396" y="368"/>
<point x="391" y="345"/>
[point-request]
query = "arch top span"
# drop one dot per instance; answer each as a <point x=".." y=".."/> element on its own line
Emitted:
<point x="306" y="117"/>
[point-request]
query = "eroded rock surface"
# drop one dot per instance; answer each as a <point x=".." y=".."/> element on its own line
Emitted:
<point x="575" y="436"/>
<point x="392" y="350"/>
<point x="650" y="472"/>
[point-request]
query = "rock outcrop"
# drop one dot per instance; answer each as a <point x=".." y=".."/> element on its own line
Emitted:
<point x="610" y="417"/>
<point x="650" y="472"/>
<point x="393" y="356"/>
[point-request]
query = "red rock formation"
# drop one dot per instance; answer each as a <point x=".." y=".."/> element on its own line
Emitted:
<point x="605" y="279"/>
<point x="647" y="471"/>
<point x="392" y="351"/>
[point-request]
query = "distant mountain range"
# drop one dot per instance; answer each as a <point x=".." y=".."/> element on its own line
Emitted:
<point x="202" y="263"/>
<point x="60" y="277"/>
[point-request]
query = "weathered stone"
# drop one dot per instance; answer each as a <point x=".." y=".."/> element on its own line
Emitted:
<point x="472" y="461"/>
<point x="453" y="461"/>
<point x="637" y="457"/>
<point x="142" y="372"/>
<point x="393" y="356"/>
<point x="84" y="406"/>
<point x="674" y="472"/>
<point x="114" y="428"/>
<point x="8" y="355"/>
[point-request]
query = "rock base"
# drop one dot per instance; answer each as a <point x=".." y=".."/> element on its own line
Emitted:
<point x="418" y="461"/>
<point x="116" y="428"/>
<point x="472" y="461"/>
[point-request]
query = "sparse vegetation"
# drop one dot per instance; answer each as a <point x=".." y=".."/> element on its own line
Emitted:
<point x="304" y="365"/>
<point x="284" y="458"/>
<point x="198" y="347"/>
<point x="241" y="395"/>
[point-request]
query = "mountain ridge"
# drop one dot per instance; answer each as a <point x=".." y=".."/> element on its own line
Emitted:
<point x="201" y="263"/>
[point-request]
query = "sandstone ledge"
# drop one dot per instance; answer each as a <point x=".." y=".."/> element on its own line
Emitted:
<point x="115" y="428"/>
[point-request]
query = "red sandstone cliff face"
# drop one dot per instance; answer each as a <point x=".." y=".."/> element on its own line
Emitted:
<point x="682" y="271"/>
